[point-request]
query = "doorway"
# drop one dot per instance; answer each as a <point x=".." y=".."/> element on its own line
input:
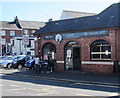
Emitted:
<point x="49" y="49"/>
<point x="72" y="56"/>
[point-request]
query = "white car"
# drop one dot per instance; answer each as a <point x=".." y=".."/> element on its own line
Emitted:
<point x="2" y="59"/>
<point x="8" y="62"/>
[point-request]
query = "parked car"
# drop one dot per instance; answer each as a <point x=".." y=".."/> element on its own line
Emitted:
<point x="30" y="64"/>
<point x="20" y="63"/>
<point x="3" y="59"/>
<point x="8" y="62"/>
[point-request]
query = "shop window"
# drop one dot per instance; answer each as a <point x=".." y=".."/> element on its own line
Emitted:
<point x="49" y="49"/>
<point x="101" y="51"/>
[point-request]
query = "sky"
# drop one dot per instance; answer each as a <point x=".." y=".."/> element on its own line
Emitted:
<point x="43" y="10"/>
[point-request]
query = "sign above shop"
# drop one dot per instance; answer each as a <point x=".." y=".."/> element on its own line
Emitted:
<point x="58" y="38"/>
<point x="79" y="34"/>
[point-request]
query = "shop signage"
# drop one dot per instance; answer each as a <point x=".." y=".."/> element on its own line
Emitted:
<point x="79" y="34"/>
<point x="58" y="38"/>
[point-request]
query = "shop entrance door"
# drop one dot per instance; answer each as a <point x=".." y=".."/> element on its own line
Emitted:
<point x="72" y="58"/>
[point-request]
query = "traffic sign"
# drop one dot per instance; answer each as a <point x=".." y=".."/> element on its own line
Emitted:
<point x="25" y="40"/>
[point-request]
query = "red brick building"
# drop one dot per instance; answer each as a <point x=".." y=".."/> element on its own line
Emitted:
<point x="89" y="44"/>
<point x="0" y="45"/>
<point x="10" y="29"/>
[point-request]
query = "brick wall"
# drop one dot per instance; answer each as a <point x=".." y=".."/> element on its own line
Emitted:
<point x="97" y="68"/>
<point x="85" y="51"/>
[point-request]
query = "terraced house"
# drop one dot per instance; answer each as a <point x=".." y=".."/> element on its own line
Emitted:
<point x="89" y="44"/>
<point x="12" y="33"/>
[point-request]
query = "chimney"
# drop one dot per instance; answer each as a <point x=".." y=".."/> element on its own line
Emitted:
<point x="50" y="20"/>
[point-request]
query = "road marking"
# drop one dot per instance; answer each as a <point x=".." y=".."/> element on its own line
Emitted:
<point x="17" y="89"/>
<point x="46" y="89"/>
<point x="83" y="95"/>
<point x="15" y="85"/>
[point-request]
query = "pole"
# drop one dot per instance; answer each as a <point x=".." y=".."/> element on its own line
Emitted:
<point x="25" y="49"/>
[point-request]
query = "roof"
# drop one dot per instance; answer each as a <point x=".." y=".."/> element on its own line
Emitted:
<point x="31" y="24"/>
<point x="6" y="25"/>
<point x="20" y="24"/>
<point x="74" y="14"/>
<point x="107" y="18"/>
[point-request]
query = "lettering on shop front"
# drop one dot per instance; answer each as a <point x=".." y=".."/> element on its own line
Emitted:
<point x="79" y="34"/>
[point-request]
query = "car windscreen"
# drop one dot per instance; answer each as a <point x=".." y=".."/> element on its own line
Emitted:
<point x="21" y="58"/>
<point x="11" y="58"/>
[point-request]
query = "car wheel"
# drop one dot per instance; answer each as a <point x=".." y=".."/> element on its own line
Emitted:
<point x="20" y="66"/>
<point x="9" y="66"/>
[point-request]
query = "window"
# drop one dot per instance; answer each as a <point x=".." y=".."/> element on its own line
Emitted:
<point x="12" y="42"/>
<point x="33" y="31"/>
<point x="29" y="44"/>
<point x="3" y="33"/>
<point x="25" y="32"/>
<point x="100" y="50"/>
<point x="12" y="33"/>
<point x="3" y="41"/>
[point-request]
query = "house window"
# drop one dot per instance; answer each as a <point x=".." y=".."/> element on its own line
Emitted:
<point x="3" y="41"/>
<point x="29" y="44"/>
<point x="100" y="51"/>
<point x="33" y="31"/>
<point x="12" y="42"/>
<point x="3" y="33"/>
<point x="25" y="32"/>
<point x="12" y="33"/>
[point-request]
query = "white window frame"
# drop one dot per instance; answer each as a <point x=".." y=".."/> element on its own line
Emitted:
<point x="3" y="41"/>
<point x="3" y="33"/>
<point x="33" y="31"/>
<point x="12" y="33"/>
<point x="25" y="32"/>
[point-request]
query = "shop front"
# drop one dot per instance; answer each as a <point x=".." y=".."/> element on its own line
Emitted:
<point x="88" y="44"/>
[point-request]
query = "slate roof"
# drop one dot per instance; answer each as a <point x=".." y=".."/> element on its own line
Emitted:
<point x="31" y="24"/>
<point x="74" y="14"/>
<point x="20" y="24"/>
<point x="6" y="25"/>
<point x="106" y="19"/>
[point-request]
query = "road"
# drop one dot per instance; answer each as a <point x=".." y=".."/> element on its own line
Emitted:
<point x="23" y="86"/>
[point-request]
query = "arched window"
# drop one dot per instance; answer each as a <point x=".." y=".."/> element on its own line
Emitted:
<point x="49" y="49"/>
<point x="100" y="50"/>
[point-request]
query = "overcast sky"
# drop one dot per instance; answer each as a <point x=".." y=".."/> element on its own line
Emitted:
<point x="42" y="10"/>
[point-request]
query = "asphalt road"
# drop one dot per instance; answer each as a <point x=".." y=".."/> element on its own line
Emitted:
<point x="23" y="86"/>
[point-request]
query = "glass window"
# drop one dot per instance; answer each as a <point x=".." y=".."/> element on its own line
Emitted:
<point x="33" y="31"/>
<point x="3" y="41"/>
<point x="100" y="50"/>
<point x="29" y="44"/>
<point x="25" y="32"/>
<point x="3" y="33"/>
<point x="49" y="51"/>
<point x="12" y="33"/>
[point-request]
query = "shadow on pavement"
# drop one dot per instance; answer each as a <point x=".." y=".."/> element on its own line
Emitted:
<point x="56" y="83"/>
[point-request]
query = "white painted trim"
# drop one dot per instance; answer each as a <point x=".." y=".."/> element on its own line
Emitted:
<point x="60" y="61"/>
<point x="10" y="29"/>
<point x="92" y="62"/>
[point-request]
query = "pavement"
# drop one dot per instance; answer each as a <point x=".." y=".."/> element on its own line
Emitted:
<point x="71" y="77"/>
